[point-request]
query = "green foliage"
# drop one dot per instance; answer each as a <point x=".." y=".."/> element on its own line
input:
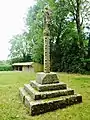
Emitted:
<point x="67" y="53"/>
<point x="34" y="22"/>
<point x="69" y="47"/>
<point x="37" y="52"/>
<point x="38" y="67"/>
<point x="20" y="48"/>
<point x="85" y="60"/>
<point x="6" y="68"/>
<point x="86" y="63"/>
<point x="67" y="44"/>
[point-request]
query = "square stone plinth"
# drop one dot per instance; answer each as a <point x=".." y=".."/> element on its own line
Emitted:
<point x="47" y="78"/>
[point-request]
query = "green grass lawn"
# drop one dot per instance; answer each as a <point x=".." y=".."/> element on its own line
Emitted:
<point x="11" y="107"/>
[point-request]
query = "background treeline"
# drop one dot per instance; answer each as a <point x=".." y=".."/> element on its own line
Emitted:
<point x="70" y="44"/>
<point x="5" y="66"/>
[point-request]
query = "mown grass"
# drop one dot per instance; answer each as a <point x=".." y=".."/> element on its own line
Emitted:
<point x="11" y="107"/>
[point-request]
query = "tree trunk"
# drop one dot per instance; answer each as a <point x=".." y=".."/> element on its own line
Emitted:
<point x="78" y="2"/>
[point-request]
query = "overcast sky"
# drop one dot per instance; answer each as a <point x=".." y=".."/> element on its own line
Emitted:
<point x="11" y="21"/>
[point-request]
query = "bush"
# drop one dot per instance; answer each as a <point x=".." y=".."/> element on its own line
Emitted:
<point x="6" y="68"/>
<point x="86" y="64"/>
<point x="38" y="67"/>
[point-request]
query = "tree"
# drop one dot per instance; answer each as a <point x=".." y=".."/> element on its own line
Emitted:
<point x="20" y="48"/>
<point x="80" y="10"/>
<point x="64" y="36"/>
<point x="34" y="22"/>
<point x="67" y="43"/>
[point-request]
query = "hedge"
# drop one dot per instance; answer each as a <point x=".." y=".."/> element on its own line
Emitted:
<point x="6" y="68"/>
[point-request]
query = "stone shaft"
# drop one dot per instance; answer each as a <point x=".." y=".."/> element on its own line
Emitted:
<point x="46" y="40"/>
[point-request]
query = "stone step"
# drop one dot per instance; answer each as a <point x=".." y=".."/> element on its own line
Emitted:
<point x="36" y="95"/>
<point x="41" y="106"/>
<point x="48" y="87"/>
<point x="22" y="94"/>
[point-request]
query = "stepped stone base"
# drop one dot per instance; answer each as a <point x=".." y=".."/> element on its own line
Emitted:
<point x="47" y="94"/>
<point x="48" y="87"/>
<point x="41" y="96"/>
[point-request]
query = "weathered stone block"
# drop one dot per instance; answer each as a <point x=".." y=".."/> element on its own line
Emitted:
<point x="47" y="94"/>
<point x="42" y="106"/>
<point x="27" y="101"/>
<point x="48" y="87"/>
<point x="22" y="94"/>
<point x="30" y="91"/>
<point x="47" y="78"/>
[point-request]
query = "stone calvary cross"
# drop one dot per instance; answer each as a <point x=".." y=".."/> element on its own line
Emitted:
<point x="47" y="77"/>
<point x="47" y="85"/>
